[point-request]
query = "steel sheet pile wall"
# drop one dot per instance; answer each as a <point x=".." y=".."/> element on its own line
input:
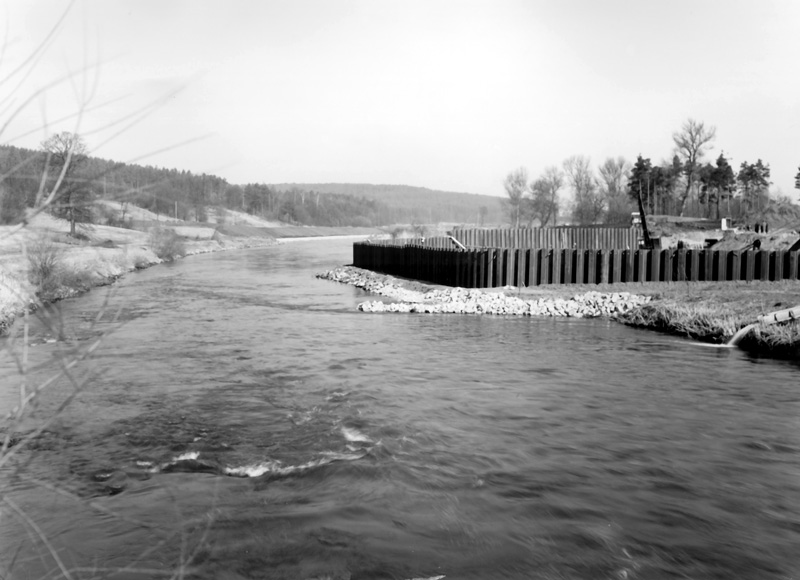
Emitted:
<point x="558" y="238"/>
<point x="496" y="267"/>
<point x="441" y="242"/>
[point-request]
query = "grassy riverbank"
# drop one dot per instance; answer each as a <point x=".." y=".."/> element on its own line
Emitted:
<point x="41" y="263"/>
<point x="707" y="311"/>
<point x="713" y="312"/>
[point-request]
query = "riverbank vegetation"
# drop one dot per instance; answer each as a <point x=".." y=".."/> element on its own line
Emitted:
<point x="42" y="263"/>
<point x="166" y="244"/>
<point x="717" y="324"/>
<point x="714" y="312"/>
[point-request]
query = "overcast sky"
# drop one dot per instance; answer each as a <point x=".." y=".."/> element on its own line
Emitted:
<point x="443" y="94"/>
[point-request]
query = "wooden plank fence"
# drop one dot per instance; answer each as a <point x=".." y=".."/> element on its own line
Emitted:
<point x="497" y="267"/>
<point x="556" y="238"/>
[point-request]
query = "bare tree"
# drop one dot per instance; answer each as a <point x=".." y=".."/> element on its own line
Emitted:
<point x="613" y="174"/>
<point x="691" y="143"/>
<point x="613" y="187"/>
<point x="65" y="153"/>
<point x="544" y="203"/>
<point x="515" y="184"/>
<point x="588" y="204"/>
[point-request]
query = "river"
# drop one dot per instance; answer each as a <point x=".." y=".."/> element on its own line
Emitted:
<point x="241" y="419"/>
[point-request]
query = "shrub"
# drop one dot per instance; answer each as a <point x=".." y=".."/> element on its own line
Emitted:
<point x="45" y="261"/>
<point x="166" y="244"/>
<point x="140" y="262"/>
<point x="111" y="217"/>
<point x="80" y="280"/>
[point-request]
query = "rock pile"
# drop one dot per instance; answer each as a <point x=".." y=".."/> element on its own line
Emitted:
<point x="463" y="301"/>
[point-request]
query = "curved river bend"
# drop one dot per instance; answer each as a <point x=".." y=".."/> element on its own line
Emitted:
<point x="243" y="420"/>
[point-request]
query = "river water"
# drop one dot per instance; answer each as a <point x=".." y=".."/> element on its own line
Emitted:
<point x="244" y="420"/>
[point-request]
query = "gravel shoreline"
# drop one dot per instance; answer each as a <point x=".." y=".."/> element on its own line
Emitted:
<point x="707" y="313"/>
<point x="421" y="298"/>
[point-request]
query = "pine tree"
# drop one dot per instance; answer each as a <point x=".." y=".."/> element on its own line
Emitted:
<point x="640" y="182"/>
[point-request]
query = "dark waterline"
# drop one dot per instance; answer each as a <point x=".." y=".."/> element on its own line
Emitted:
<point x="251" y="411"/>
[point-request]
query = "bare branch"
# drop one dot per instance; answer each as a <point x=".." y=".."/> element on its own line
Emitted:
<point x="39" y="533"/>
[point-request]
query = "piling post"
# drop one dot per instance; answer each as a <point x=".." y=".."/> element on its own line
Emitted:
<point x="547" y="266"/>
<point x="616" y="266"/>
<point x="555" y="277"/>
<point x="604" y="266"/>
<point x="480" y="259"/>
<point x="580" y="266"/>
<point x="641" y="270"/>
<point x="655" y="266"/>
<point x="681" y="266"/>
<point x="779" y="254"/>
<point x="591" y="267"/>
<point x="723" y="266"/>
<point x="736" y="265"/>
<point x="526" y="267"/>
<point x="491" y="265"/>
<point x="764" y="274"/>
<point x="794" y="274"/>
<point x="568" y="261"/>
<point x="519" y="260"/>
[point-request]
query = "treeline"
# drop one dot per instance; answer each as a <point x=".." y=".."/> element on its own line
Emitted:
<point x="418" y="205"/>
<point x="684" y="186"/>
<point x="170" y="192"/>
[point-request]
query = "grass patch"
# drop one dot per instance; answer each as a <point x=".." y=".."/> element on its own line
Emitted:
<point x="778" y="340"/>
<point x="713" y="313"/>
<point x="706" y="322"/>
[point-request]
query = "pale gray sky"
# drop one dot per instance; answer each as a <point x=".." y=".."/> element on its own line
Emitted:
<point x="437" y="93"/>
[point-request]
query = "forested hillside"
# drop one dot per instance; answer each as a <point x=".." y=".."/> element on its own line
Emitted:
<point x="189" y="196"/>
<point x="417" y="204"/>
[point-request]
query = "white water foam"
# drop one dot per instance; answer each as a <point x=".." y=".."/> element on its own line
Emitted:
<point x="257" y="469"/>
<point x="354" y="435"/>
<point x="265" y="467"/>
<point x="337" y="396"/>
<point x="188" y="456"/>
<point x="152" y="468"/>
<point x="270" y="466"/>
<point x="336" y="456"/>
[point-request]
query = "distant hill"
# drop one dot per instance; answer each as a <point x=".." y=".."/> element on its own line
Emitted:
<point x="415" y="204"/>
<point x="105" y="191"/>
